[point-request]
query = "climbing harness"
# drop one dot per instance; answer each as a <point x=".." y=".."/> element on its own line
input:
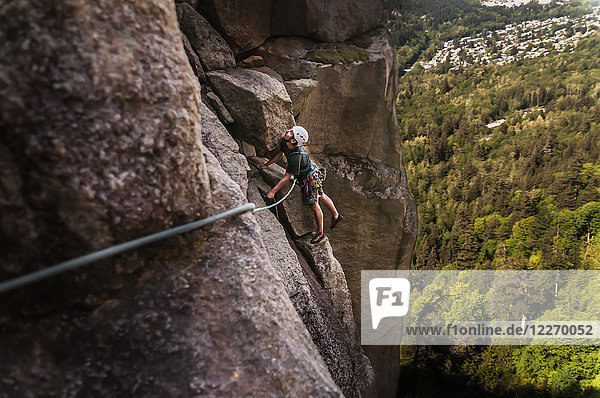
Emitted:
<point x="114" y="250"/>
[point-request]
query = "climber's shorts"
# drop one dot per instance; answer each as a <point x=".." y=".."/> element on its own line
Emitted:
<point x="312" y="187"/>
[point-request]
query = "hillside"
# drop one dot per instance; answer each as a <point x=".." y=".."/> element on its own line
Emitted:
<point x="503" y="161"/>
<point x="519" y="194"/>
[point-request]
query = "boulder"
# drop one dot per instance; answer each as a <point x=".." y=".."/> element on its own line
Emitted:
<point x="259" y="104"/>
<point x="213" y="51"/>
<point x="193" y="59"/>
<point x="328" y="21"/>
<point x="254" y="61"/>
<point x="217" y="140"/>
<point x="321" y="299"/>
<point x="244" y="24"/>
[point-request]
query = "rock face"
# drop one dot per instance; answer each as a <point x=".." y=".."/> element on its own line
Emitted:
<point x="104" y="148"/>
<point x="376" y="199"/>
<point x="351" y="119"/>
<point x="107" y="139"/>
<point x="259" y="104"/>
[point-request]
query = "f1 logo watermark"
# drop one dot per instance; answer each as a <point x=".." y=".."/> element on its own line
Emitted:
<point x="388" y="297"/>
<point x="450" y="307"/>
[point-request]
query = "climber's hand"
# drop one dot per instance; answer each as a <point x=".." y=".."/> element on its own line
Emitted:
<point x="261" y="166"/>
<point x="271" y="195"/>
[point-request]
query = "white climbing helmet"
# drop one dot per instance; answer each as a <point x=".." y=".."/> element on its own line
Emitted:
<point x="300" y="134"/>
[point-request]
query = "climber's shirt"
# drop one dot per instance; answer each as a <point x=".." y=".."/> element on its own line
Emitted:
<point x="298" y="161"/>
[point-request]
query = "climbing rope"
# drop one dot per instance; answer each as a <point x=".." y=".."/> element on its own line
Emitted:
<point x="114" y="250"/>
<point x="276" y="203"/>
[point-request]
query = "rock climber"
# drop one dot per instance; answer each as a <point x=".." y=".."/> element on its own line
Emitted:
<point x="308" y="175"/>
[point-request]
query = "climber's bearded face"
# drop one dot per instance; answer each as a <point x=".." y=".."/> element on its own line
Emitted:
<point x="288" y="134"/>
<point x="289" y="137"/>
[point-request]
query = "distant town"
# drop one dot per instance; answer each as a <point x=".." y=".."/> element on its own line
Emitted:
<point x="512" y="3"/>
<point x="529" y="39"/>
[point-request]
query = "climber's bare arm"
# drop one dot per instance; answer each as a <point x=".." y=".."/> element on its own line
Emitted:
<point x="274" y="159"/>
<point x="280" y="184"/>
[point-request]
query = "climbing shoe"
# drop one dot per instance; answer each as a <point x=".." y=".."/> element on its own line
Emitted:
<point x="317" y="238"/>
<point x="335" y="221"/>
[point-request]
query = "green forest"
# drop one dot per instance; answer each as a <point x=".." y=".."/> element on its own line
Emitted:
<point x="523" y="193"/>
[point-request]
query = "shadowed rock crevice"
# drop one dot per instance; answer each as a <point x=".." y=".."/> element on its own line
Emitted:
<point x="320" y="296"/>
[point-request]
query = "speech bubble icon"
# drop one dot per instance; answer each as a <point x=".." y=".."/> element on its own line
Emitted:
<point x="388" y="298"/>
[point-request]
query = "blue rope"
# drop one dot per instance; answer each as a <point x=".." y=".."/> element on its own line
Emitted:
<point x="278" y="202"/>
<point x="114" y="250"/>
<point x="111" y="251"/>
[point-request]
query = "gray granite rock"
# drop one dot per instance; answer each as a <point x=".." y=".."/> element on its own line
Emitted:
<point x="102" y="139"/>
<point x="217" y="140"/>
